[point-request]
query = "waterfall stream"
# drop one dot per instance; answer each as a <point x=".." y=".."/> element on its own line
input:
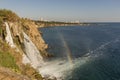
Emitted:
<point x="32" y="53"/>
<point x="9" y="38"/>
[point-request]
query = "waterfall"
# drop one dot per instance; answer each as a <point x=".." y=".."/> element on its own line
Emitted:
<point x="9" y="38"/>
<point x="32" y="53"/>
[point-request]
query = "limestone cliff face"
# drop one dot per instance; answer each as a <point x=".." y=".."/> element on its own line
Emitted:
<point x="16" y="29"/>
<point x="14" y="33"/>
<point x="31" y="29"/>
<point x="24" y="35"/>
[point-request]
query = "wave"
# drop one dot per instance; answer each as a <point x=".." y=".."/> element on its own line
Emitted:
<point x="59" y="68"/>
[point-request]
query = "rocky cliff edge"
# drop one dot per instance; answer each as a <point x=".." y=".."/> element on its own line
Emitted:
<point x="12" y="67"/>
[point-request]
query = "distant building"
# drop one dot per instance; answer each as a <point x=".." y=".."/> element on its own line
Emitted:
<point x="41" y="19"/>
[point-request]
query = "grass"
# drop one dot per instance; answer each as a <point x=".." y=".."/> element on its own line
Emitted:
<point x="7" y="60"/>
<point x="0" y="30"/>
<point x="31" y="72"/>
<point x="8" y="15"/>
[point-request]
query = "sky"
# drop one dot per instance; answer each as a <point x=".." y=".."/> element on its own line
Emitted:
<point x="66" y="10"/>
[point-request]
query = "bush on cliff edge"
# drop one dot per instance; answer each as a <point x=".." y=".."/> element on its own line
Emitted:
<point x="8" y="15"/>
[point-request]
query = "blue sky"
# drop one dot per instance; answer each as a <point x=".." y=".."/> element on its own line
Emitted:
<point x="66" y="10"/>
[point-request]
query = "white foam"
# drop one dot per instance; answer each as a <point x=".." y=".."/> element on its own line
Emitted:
<point x="59" y="68"/>
<point x="32" y="53"/>
<point x="9" y="38"/>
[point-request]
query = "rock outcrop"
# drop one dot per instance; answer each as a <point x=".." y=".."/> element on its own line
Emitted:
<point x="7" y="74"/>
<point x="22" y="38"/>
<point x="31" y="29"/>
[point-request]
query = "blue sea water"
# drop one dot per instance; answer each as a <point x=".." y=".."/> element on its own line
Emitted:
<point x="99" y="41"/>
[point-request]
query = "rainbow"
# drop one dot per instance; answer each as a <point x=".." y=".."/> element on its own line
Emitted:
<point x="67" y="50"/>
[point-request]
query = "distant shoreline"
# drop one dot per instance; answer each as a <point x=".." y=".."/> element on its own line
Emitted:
<point x="42" y="24"/>
<point x="47" y="24"/>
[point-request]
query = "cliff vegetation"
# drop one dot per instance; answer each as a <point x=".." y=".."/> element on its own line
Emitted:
<point x="8" y="15"/>
<point x="11" y="65"/>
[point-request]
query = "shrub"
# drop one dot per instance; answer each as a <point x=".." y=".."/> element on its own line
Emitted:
<point x="8" y="15"/>
<point x="7" y="60"/>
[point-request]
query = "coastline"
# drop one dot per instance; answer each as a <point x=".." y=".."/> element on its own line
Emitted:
<point x="59" y="24"/>
<point x="47" y="24"/>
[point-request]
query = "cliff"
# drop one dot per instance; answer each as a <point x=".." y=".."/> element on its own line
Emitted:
<point x="22" y="48"/>
<point x="30" y="28"/>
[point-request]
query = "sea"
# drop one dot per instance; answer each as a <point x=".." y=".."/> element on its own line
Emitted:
<point x="90" y="52"/>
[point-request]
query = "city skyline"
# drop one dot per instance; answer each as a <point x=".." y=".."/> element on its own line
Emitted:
<point x="64" y="10"/>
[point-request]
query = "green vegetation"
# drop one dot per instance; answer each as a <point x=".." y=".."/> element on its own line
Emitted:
<point x="54" y="23"/>
<point x="10" y="58"/>
<point x="1" y="24"/>
<point x="7" y="60"/>
<point x="0" y="30"/>
<point x="1" y="20"/>
<point x="8" y="15"/>
<point x="31" y="72"/>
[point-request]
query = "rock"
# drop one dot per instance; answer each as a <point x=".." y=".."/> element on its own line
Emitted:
<point x="52" y="78"/>
<point x="16" y="30"/>
<point x="49" y="77"/>
<point x="7" y="74"/>
<point x="31" y="29"/>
